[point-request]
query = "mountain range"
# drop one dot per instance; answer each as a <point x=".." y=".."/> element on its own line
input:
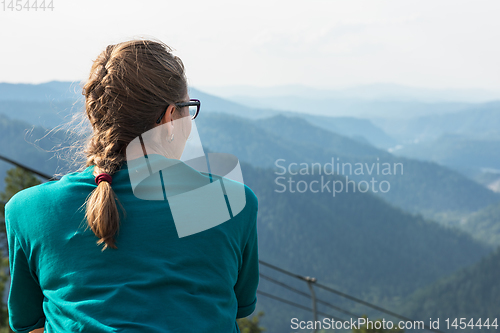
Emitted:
<point x="386" y="248"/>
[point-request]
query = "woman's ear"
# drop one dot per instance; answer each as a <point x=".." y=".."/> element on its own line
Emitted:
<point x="169" y="115"/>
<point x="170" y="111"/>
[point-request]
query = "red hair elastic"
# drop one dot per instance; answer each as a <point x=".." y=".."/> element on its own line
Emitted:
<point x="103" y="177"/>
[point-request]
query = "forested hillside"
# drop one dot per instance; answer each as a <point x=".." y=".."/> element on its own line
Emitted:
<point x="472" y="293"/>
<point x="422" y="187"/>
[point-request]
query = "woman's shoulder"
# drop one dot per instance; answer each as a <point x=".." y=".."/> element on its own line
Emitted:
<point x="25" y="206"/>
<point x="251" y="198"/>
<point x="33" y="199"/>
<point x="233" y="187"/>
<point x="28" y="196"/>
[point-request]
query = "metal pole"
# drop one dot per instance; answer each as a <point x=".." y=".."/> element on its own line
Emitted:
<point x="310" y="281"/>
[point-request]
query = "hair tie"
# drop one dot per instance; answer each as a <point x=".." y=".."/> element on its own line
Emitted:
<point x="103" y="177"/>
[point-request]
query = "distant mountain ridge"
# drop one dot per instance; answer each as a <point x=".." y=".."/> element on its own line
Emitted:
<point x="375" y="91"/>
<point x="353" y="107"/>
<point x="480" y="121"/>
<point x="50" y="91"/>
<point x="468" y="155"/>
<point x="36" y="104"/>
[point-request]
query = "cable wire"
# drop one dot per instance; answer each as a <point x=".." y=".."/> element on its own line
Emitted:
<point x="308" y="296"/>
<point x="296" y="305"/>
<point x="38" y="173"/>
<point x="352" y="298"/>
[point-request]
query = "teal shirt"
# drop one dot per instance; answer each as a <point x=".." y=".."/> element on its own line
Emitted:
<point x="155" y="281"/>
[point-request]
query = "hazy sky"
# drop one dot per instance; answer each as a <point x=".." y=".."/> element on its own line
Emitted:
<point x="424" y="43"/>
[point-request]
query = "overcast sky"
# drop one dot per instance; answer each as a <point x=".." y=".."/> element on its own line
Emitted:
<point x="327" y="44"/>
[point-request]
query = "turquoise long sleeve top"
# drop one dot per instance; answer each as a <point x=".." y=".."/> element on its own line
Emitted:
<point x="155" y="281"/>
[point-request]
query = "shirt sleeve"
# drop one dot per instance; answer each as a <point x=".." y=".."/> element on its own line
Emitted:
<point x="248" y="276"/>
<point x="25" y="302"/>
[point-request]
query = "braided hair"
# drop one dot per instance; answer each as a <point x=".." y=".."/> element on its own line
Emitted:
<point x="129" y="86"/>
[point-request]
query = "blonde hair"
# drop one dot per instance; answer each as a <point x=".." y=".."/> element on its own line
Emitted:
<point x="129" y="86"/>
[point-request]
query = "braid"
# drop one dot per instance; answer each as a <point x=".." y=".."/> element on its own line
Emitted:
<point x="103" y="150"/>
<point x="96" y="99"/>
<point x="130" y="84"/>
